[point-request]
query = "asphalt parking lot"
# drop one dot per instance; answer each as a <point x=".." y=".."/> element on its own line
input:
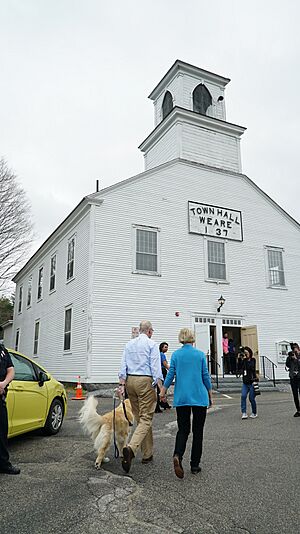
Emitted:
<point x="249" y="481"/>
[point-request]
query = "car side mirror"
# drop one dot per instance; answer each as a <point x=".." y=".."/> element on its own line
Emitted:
<point x="42" y="378"/>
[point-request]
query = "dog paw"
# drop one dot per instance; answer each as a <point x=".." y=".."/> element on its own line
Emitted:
<point x="97" y="464"/>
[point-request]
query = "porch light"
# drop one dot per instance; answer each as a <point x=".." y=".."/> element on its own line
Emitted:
<point x="221" y="302"/>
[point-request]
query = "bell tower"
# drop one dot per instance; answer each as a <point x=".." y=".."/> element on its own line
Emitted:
<point x="190" y="120"/>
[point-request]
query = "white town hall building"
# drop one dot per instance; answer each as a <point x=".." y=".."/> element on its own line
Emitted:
<point x="165" y="245"/>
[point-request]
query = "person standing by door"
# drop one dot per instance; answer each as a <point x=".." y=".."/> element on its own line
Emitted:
<point x="293" y="365"/>
<point x="249" y="376"/>
<point x="225" y="343"/>
<point x="7" y="373"/>
<point x="192" y="394"/>
<point x="231" y="356"/>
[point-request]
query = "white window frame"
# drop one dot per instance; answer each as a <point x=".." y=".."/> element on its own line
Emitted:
<point x="40" y="285"/>
<point x="135" y="228"/>
<point x="29" y="293"/>
<point x="20" y="299"/>
<point x="69" y="278"/>
<point x="36" y="340"/>
<point x="51" y="290"/>
<point x="17" y="339"/>
<point x="216" y="280"/>
<point x="68" y="308"/>
<point x="268" y="280"/>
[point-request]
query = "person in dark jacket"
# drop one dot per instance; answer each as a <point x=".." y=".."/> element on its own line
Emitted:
<point x="293" y="365"/>
<point x="249" y="376"/>
<point x="7" y="373"/>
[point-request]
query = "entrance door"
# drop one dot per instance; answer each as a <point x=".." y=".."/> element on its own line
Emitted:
<point x="249" y="338"/>
<point x="202" y="337"/>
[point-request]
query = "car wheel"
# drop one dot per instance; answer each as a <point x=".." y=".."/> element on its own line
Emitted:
<point x="55" y="418"/>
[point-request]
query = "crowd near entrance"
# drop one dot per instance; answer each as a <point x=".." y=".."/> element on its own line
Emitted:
<point x="221" y="340"/>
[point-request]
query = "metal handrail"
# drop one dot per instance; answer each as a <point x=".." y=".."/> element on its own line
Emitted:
<point x="210" y="360"/>
<point x="266" y="362"/>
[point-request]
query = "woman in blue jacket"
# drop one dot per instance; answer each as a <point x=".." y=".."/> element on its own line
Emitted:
<point x="192" y="393"/>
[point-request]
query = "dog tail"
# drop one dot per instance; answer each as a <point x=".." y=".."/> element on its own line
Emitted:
<point x="89" y="418"/>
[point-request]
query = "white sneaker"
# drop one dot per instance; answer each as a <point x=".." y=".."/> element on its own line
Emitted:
<point x="253" y="415"/>
<point x="244" y="416"/>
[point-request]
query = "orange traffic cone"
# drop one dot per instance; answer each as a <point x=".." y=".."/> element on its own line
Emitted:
<point x="78" y="394"/>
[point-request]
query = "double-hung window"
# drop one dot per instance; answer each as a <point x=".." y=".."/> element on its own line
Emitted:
<point x="52" y="273"/>
<point x="276" y="276"/>
<point x="71" y="258"/>
<point x="146" y="257"/>
<point x="40" y="283"/>
<point x="68" y="328"/>
<point x="20" y="299"/>
<point x="17" y="340"/>
<point x="216" y="260"/>
<point x="36" y="337"/>
<point x="29" y="292"/>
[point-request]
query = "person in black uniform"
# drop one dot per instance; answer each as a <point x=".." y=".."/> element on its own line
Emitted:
<point x="7" y="374"/>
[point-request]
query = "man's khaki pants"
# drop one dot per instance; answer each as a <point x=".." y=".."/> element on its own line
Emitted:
<point x="143" y="401"/>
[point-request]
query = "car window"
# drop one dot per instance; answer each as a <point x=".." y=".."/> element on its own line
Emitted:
<point x="23" y="368"/>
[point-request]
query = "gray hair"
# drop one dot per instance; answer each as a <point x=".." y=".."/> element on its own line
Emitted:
<point x="145" y="326"/>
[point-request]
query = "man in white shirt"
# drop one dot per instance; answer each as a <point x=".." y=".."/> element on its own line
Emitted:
<point x="141" y="372"/>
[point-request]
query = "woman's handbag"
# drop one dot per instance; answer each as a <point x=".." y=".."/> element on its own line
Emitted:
<point x="256" y="389"/>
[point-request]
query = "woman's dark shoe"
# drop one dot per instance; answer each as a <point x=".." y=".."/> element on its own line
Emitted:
<point x="127" y="458"/>
<point x="10" y="470"/>
<point x="179" y="472"/>
<point x="195" y="470"/>
<point x="297" y="414"/>
<point x="158" y="410"/>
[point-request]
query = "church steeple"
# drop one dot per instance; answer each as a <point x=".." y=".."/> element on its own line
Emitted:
<point x="190" y="120"/>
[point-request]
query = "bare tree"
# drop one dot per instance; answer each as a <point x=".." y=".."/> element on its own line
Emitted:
<point x="15" y="224"/>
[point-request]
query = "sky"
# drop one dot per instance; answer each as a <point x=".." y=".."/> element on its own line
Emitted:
<point x="75" y="76"/>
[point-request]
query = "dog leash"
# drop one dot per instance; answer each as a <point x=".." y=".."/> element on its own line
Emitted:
<point x="125" y="414"/>
<point x="116" y="453"/>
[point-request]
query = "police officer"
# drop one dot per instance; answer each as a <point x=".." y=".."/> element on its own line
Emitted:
<point x="7" y="373"/>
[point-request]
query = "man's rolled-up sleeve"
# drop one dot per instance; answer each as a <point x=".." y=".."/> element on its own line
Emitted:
<point x="123" y="369"/>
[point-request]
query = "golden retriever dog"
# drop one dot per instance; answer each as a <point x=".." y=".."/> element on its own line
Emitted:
<point x="101" y="427"/>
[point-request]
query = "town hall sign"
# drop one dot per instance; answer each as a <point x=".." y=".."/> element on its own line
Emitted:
<point x="215" y="221"/>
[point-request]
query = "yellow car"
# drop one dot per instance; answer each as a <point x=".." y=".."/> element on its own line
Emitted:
<point x="34" y="399"/>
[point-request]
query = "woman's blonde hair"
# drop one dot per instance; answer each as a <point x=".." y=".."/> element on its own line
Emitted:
<point x="186" y="335"/>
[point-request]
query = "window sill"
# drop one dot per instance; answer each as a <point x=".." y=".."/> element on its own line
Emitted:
<point x="147" y="273"/>
<point x="213" y="281"/>
<point x="39" y="300"/>
<point x="281" y="288"/>
<point x="67" y="351"/>
<point x="70" y="280"/>
<point x="52" y="291"/>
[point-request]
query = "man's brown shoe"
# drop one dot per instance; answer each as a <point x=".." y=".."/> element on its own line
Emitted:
<point x="147" y="460"/>
<point x="127" y="458"/>
<point x="179" y="472"/>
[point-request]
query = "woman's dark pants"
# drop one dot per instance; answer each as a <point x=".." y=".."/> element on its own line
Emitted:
<point x="184" y="428"/>
<point x="295" y="385"/>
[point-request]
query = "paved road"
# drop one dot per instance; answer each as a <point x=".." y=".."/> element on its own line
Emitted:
<point x="249" y="481"/>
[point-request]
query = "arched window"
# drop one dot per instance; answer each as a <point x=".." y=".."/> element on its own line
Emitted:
<point x="167" y="104"/>
<point x="201" y="99"/>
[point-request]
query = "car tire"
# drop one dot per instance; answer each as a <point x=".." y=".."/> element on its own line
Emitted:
<point x="55" y="418"/>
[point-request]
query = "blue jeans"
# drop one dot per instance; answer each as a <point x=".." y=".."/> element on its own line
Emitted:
<point x="248" y="388"/>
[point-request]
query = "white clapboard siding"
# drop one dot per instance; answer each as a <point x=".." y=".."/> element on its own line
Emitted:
<point x="211" y="148"/>
<point x="159" y="198"/>
<point x="50" y="311"/>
